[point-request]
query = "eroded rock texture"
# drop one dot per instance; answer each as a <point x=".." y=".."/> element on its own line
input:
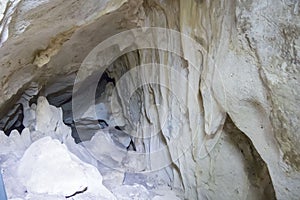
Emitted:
<point x="240" y="90"/>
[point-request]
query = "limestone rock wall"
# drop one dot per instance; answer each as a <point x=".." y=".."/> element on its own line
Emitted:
<point x="243" y="141"/>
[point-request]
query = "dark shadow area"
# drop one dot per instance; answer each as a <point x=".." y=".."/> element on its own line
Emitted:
<point x="256" y="168"/>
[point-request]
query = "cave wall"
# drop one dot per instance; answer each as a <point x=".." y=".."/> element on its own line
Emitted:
<point x="247" y="70"/>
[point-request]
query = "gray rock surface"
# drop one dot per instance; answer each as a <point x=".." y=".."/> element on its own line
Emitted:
<point x="241" y="132"/>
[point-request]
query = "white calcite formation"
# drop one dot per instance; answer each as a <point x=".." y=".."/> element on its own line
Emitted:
<point x="234" y="100"/>
<point x="52" y="167"/>
<point x="43" y="167"/>
<point x="47" y="167"/>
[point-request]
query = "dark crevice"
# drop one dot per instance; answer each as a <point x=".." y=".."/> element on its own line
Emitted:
<point x="119" y="128"/>
<point x="76" y="193"/>
<point x="103" y="123"/>
<point x="13" y="121"/>
<point x="131" y="146"/>
<point x="256" y="168"/>
<point x="104" y="80"/>
<point x="33" y="100"/>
